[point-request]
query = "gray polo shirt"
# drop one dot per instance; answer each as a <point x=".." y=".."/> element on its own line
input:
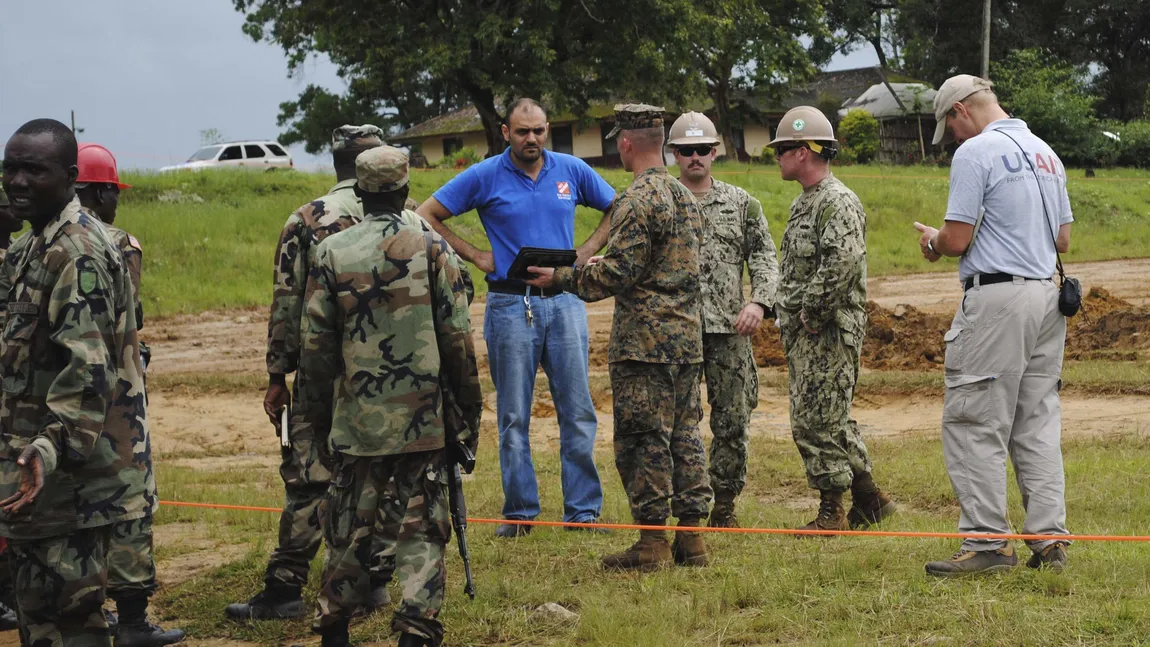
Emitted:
<point x="989" y="172"/>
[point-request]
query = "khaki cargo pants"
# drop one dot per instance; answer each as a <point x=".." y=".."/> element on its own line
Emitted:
<point x="1003" y="367"/>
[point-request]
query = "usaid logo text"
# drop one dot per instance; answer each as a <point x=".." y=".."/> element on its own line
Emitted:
<point x="1047" y="164"/>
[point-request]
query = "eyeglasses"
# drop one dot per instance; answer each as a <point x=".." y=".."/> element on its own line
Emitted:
<point x="702" y="150"/>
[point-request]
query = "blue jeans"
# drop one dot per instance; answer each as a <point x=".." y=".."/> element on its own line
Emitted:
<point x="558" y="341"/>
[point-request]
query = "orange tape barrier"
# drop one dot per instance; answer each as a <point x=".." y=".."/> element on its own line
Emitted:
<point x="743" y="531"/>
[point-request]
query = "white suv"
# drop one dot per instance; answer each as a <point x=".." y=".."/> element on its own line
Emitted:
<point x="255" y="155"/>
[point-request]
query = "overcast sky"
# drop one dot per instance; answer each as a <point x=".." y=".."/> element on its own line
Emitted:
<point x="146" y="76"/>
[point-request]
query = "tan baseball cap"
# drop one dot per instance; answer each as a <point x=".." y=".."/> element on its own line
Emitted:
<point x="953" y="90"/>
<point x="381" y="169"/>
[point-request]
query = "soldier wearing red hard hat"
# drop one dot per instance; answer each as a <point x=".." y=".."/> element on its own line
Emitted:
<point x="131" y="563"/>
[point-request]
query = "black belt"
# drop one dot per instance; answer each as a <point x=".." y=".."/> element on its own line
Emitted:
<point x="515" y="287"/>
<point x="990" y="279"/>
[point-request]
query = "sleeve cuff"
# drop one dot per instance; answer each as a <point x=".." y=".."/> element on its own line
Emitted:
<point x="47" y="453"/>
<point x="565" y="279"/>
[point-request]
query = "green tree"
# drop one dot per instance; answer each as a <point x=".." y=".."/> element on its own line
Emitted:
<point x="403" y="56"/>
<point x="1050" y="95"/>
<point x="752" y="46"/>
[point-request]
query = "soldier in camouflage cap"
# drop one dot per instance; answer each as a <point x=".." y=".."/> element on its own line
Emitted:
<point x="305" y="477"/>
<point x="651" y="267"/>
<point x="372" y="387"/>
<point x="822" y="313"/>
<point x="74" y="455"/>
<point x="356" y="138"/>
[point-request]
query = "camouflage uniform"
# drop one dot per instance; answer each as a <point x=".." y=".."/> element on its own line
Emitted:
<point x="369" y="382"/>
<point x="734" y="233"/>
<point x="304" y="474"/>
<point x="823" y="275"/>
<point x="73" y="389"/>
<point x="651" y="267"/>
<point x="131" y="563"/>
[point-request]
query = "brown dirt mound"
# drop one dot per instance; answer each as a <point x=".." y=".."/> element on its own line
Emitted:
<point x="909" y="339"/>
<point x="1107" y="328"/>
<point x="901" y="339"/>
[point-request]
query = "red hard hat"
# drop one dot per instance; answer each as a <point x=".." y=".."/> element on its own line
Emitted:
<point x="97" y="164"/>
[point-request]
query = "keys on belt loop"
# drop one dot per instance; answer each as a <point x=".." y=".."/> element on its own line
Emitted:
<point x="527" y="305"/>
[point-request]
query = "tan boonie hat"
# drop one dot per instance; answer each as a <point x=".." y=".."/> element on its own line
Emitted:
<point x="348" y="136"/>
<point x="953" y="90"/>
<point x="381" y="169"/>
<point x="636" y="116"/>
<point x="693" y="128"/>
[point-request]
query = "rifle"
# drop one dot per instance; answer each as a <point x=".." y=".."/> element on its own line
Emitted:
<point x="458" y="506"/>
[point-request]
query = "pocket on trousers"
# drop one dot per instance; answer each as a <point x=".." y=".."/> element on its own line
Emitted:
<point x="968" y="399"/>
<point x="643" y="404"/>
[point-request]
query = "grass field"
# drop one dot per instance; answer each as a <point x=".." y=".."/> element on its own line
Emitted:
<point x="760" y="590"/>
<point x="218" y="253"/>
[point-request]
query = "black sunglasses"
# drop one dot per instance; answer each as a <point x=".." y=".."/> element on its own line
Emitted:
<point x="702" y="150"/>
<point x="783" y="150"/>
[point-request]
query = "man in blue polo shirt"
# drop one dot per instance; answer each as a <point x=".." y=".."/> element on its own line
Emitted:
<point x="526" y="197"/>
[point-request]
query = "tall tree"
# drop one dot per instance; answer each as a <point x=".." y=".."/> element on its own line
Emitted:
<point x="853" y="22"/>
<point x="752" y="46"/>
<point x="566" y="52"/>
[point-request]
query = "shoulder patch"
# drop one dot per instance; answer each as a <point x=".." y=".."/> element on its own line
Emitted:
<point x="88" y="280"/>
<point x="134" y="243"/>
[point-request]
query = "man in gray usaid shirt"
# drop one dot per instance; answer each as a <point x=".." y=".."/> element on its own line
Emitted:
<point x="1004" y="348"/>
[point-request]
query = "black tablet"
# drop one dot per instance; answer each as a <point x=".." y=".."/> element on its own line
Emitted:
<point x="538" y="257"/>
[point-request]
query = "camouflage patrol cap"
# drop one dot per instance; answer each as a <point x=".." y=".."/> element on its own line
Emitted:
<point x="348" y="136"/>
<point x="381" y="169"/>
<point x="636" y="116"/>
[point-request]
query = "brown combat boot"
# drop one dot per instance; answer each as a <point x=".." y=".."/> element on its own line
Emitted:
<point x="870" y="505"/>
<point x="650" y="553"/>
<point x="832" y="516"/>
<point x="688" y="547"/>
<point x="723" y="514"/>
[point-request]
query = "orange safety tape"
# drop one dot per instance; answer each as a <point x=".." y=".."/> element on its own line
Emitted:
<point x="745" y="531"/>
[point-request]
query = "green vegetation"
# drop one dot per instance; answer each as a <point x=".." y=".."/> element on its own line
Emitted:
<point x="760" y="589"/>
<point x="209" y="237"/>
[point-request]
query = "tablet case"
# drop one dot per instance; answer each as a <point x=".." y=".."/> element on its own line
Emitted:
<point x="539" y="257"/>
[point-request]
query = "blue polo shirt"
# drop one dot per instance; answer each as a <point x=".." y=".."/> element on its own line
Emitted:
<point x="518" y="212"/>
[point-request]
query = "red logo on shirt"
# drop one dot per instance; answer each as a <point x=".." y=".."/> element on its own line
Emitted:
<point x="564" y="189"/>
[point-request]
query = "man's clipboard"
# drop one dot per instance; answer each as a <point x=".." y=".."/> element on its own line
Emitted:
<point x="539" y="257"/>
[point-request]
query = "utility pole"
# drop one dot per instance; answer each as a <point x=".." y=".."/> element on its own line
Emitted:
<point x="986" y="39"/>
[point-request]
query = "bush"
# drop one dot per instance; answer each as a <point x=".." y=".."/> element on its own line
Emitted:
<point x="460" y="159"/>
<point x="1134" y="147"/>
<point x="858" y="131"/>
<point x="765" y="156"/>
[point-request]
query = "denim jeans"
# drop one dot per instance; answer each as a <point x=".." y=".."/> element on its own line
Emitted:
<point x="515" y="350"/>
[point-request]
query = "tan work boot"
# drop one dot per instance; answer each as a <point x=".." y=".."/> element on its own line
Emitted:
<point x="688" y="547"/>
<point x="650" y="553"/>
<point x="969" y="562"/>
<point x="869" y="504"/>
<point x="831" y="513"/>
<point x="723" y="514"/>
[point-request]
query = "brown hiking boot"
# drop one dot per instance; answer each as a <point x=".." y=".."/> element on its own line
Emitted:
<point x="1052" y="557"/>
<point x="869" y="505"/>
<point x="723" y="514"/>
<point x="688" y="548"/>
<point x="650" y="553"/>
<point x="969" y="562"/>
<point x="831" y="513"/>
